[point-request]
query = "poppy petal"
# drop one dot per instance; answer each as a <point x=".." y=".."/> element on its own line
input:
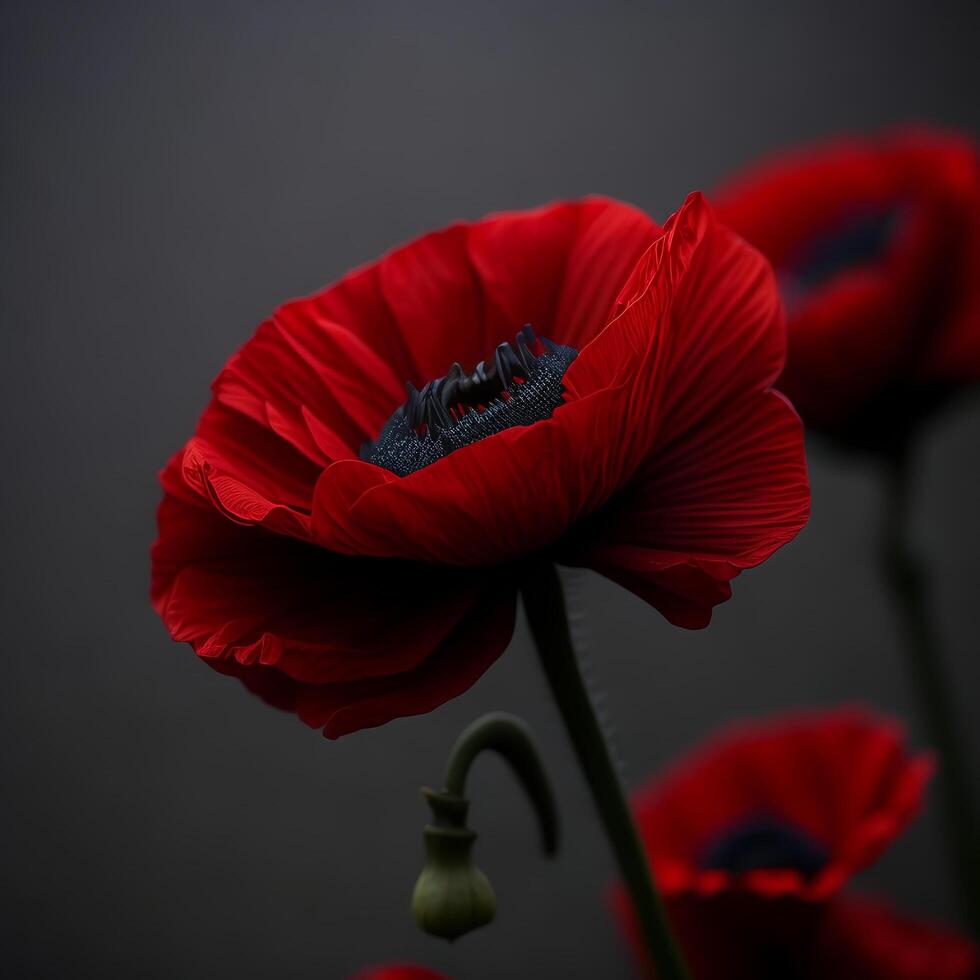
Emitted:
<point x="249" y="473"/>
<point x="243" y="594"/>
<point x="458" y="293"/>
<point x="520" y="489"/>
<point x="484" y="504"/>
<point x="462" y="657"/>
<point x="433" y="292"/>
<point x="519" y="259"/>
<point x="611" y="239"/>
<point x="710" y="505"/>
<point x="357" y="303"/>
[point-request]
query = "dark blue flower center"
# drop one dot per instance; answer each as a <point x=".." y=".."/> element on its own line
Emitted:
<point x="521" y="386"/>
<point x="762" y="841"/>
<point x="861" y="238"/>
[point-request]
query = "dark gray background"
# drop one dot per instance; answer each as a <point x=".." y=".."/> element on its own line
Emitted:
<point x="172" y="171"/>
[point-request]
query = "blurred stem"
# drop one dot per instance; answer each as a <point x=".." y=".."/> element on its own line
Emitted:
<point x="544" y="604"/>
<point x="907" y="579"/>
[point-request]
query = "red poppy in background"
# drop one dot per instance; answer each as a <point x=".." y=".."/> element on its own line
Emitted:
<point x="792" y="806"/>
<point x="876" y="246"/>
<point x="355" y="561"/>
<point x="752" y="835"/>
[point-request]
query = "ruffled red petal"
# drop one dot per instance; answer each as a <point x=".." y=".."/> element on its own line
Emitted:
<point x="657" y="372"/>
<point x="609" y="243"/>
<point x="911" y="315"/>
<point x="482" y="505"/>
<point x="243" y="596"/>
<point x="706" y="508"/>
<point x="459" y="660"/>
<point x="724" y="483"/>
<point x="456" y="294"/>
<point x="357" y="303"/>
<point x="844" y="777"/>
<point x="317" y="385"/>
<point x="248" y="473"/>
<point x="697" y="322"/>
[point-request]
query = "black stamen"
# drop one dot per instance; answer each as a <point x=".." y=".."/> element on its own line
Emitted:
<point x="521" y="386"/>
<point x="765" y="842"/>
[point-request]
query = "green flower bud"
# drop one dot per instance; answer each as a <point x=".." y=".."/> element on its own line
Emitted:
<point x="452" y="896"/>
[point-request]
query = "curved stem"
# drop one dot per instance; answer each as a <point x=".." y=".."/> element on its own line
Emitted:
<point x="510" y="738"/>
<point x="452" y="895"/>
<point x="906" y="577"/>
<point x="544" y="603"/>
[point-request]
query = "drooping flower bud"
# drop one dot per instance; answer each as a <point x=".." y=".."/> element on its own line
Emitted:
<point x="452" y="895"/>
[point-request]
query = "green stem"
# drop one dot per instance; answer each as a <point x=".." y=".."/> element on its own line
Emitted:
<point x="906" y="577"/>
<point x="512" y="740"/>
<point x="544" y="604"/>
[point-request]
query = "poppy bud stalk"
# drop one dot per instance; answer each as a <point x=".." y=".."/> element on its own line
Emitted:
<point x="452" y="895"/>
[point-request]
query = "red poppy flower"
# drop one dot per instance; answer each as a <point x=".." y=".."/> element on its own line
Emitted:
<point x="793" y="806"/>
<point x="876" y="245"/>
<point x="753" y="833"/>
<point x="354" y="561"/>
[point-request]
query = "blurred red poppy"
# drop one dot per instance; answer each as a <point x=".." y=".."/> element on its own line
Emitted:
<point x="876" y="246"/>
<point x="791" y="806"/>
<point x="753" y="835"/>
<point x="356" y="561"/>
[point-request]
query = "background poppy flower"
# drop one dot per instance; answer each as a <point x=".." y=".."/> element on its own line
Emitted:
<point x="791" y="806"/>
<point x="752" y="834"/>
<point x="876" y="245"/>
<point x="338" y="589"/>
